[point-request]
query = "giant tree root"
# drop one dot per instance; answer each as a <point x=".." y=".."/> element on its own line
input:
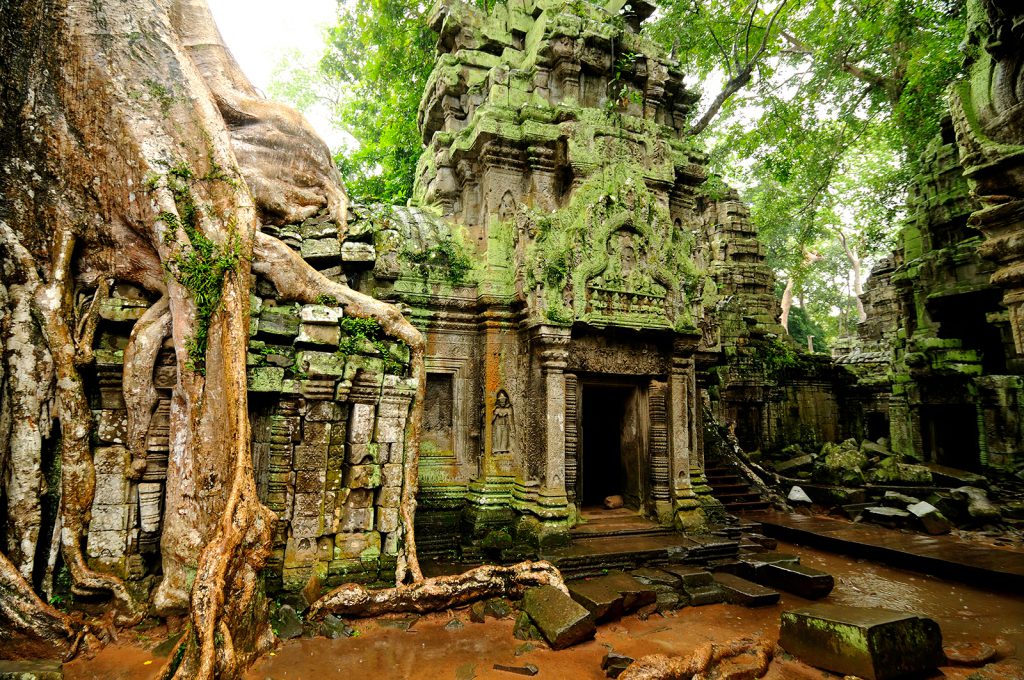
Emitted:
<point x="702" y="660"/>
<point x="436" y="594"/>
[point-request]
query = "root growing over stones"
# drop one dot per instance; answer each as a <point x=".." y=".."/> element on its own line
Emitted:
<point x="702" y="662"/>
<point x="436" y="594"/>
<point x="297" y="280"/>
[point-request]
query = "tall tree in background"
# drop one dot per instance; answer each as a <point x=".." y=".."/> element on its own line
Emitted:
<point x="380" y="53"/>
<point x="826" y="120"/>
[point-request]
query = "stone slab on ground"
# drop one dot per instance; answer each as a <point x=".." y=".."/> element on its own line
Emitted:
<point x="30" y="670"/>
<point x="634" y="594"/>
<point x="600" y="599"/>
<point x="806" y="582"/>
<point x="614" y="664"/>
<point x="562" y="621"/>
<point x="874" y="644"/>
<point x="655" y="577"/>
<point x="692" y="577"/>
<point x="741" y="591"/>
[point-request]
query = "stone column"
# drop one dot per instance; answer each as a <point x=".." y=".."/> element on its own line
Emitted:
<point x="548" y="501"/>
<point x="682" y="417"/>
<point x="553" y="343"/>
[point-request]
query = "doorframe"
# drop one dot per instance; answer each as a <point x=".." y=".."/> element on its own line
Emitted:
<point x="639" y="385"/>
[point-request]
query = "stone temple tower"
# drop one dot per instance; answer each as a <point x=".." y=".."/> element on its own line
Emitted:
<point x="556" y="149"/>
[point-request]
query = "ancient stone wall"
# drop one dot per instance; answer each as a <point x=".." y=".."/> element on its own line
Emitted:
<point x="329" y="400"/>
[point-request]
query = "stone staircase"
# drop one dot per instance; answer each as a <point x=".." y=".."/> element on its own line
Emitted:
<point x="732" y="489"/>
<point x="622" y="540"/>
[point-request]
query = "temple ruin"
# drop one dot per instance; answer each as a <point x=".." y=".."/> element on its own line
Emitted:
<point x="591" y="310"/>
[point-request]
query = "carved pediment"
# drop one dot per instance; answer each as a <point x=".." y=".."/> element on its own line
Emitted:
<point x="622" y="286"/>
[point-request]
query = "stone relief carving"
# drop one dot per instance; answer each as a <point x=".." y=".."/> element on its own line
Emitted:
<point x="502" y="424"/>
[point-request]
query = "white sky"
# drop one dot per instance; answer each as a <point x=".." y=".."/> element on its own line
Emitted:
<point x="259" y="32"/>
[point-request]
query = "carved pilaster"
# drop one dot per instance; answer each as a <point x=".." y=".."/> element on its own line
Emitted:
<point x="552" y="345"/>
<point x="657" y="407"/>
<point x="572" y="437"/>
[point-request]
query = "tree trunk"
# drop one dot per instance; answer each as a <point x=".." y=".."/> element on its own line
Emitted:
<point x="855" y="268"/>
<point x="786" y="304"/>
<point x="705" y="658"/>
<point x="439" y="593"/>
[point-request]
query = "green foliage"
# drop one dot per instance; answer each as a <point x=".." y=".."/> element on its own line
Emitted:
<point x="828" y="133"/>
<point x="356" y="330"/>
<point x="200" y="267"/>
<point x="381" y="53"/>
<point x="801" y="325"/>
<point x="372" y="75"/>
<point x="447" y="255"/>
<point x="778" y="357"/>
<point x="327" y="300"/>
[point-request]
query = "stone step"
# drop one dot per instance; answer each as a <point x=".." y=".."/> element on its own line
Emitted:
<point x="741" y="591"/>
<point x="713" y="594"/>
<point x="806" y="582"/>
<point x="634" y="593"/>
<point x="602" y="601"/>
<point x="690" y="577"/>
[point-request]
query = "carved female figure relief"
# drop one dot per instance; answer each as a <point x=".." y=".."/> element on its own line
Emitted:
<point x="502" y="424"/>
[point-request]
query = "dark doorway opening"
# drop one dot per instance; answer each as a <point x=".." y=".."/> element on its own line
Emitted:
<point x="877" y="425"/>
<point x="949" y="434"/>
<point x="610" y="460"/>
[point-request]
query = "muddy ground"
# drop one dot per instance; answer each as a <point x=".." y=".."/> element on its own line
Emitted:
<point x="428" y="650"/>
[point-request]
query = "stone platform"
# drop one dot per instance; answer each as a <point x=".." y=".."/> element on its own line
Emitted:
<point x="621" y="539"/>
<point x="944" y="556"/>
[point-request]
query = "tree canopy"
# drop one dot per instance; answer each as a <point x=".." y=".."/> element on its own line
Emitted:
<point x="818" y="111"/>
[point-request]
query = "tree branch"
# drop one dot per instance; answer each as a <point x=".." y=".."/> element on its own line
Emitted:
<point x="740" y="80"/>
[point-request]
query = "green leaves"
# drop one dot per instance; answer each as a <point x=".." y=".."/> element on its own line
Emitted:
<point x="828" y="133"/>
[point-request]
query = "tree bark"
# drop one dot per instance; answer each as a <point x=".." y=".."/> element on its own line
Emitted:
<point x="855" y="269"/>
<point x="131" y="138"/>
<point x="701" y="661"/>
<point x="435" y="594"/>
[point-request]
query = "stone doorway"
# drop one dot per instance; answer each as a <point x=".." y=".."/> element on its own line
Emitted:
<point x="949" y="435"/>
<point x="611" y="453"/>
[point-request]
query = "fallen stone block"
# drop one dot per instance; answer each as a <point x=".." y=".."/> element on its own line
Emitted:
<point x="874" y="644"/>
<point x="895" y="499"/>
<point x="524" y="628"/>
<point x="979" y="507"/>
<point x="601" y="600"/>
<point x="287" y="623"/>
<point x="650" y="576"/>
<point x="793" y="464"/>
<point x="527" y="669"/>
<point x="747" y="564"/>
<point x="806" y="582"/>
<point x="30" y="670"/>
<point x="741" y="591"/>
<point x="634" y="594"/>
<point x="890" y="517"/>
<point x="933" y="521"/>
<point x="798" y="495"/>
<point x="613" y="664"/>
<point x="561" y="621"/>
